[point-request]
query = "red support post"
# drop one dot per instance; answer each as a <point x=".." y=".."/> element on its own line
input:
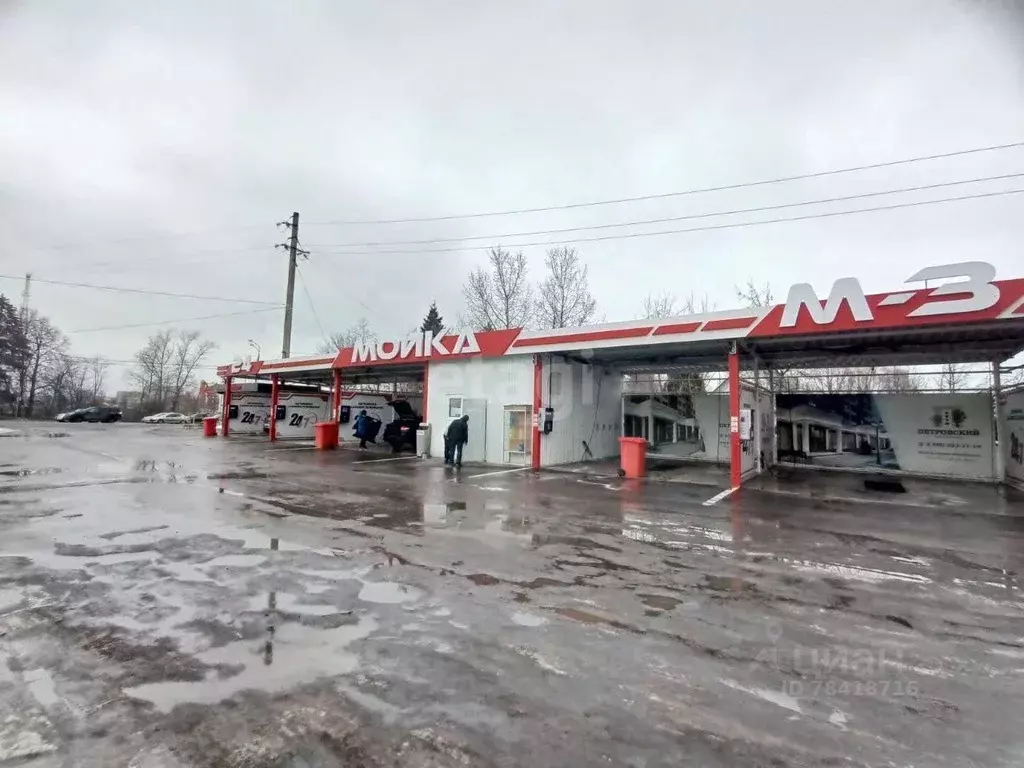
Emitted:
<point x="426" y="389"/>
<point x="735" y="449"/>
<point x="538" y="407"/>
<point x="227" y="406"/>
<point x="336" y="400"/>
<point x="273" y="407"/>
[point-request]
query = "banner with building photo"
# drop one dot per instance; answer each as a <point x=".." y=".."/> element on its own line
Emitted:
<point x="691" y="426"/>
<point x="941" y="434"/>
<point x="1013" y="443"/>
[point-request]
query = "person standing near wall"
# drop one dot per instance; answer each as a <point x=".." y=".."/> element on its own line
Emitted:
<point x="454" y="439"/>
<point x="360" y="428"/>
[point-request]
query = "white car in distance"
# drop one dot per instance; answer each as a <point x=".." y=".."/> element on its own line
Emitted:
<point x="165" y="418"/>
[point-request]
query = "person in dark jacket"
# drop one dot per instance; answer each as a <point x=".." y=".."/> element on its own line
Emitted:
<point x="456" y="437"/>
<point x="360" y="427"/>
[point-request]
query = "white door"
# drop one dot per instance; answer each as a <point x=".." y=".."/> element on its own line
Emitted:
<point x="476" y="448"/>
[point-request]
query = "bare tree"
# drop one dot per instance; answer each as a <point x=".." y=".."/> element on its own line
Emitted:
<point x="565" y="298"/>
<point x="500" y="297"/>
<point x="359" y="333"/>
<point x="952" y="377"/>
<point x="189" y="350"/>
<point x="152" y="369"/>
<point x="663" y="305"/>
<point x="754" y="295"/>
<point x="45" y="342"/>
<point x="97" y="373"/>
<point x="898" y="379"/>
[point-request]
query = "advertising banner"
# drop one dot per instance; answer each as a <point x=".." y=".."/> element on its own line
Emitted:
<point x="1013" y="442"/>
<point x="693" y="426"/>
<point x="940" y="434"/>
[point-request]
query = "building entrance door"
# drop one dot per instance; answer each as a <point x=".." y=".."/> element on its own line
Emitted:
<point x="476" y="448"/>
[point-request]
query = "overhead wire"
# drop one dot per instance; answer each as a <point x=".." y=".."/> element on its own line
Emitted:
<point x="312" y="306"/>
<point x="708" y="228"/>
<point x="687" y="217"/>
<point x="120" y="289"/>
<point x="176" y="320"/>
<point x="681" y="193"/>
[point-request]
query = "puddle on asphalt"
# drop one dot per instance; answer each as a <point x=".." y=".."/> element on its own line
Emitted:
<point x="778" y="698"/>
<point x="284" y="601"/>
<point x="661" y="602"/>
<point x="236" y="561"/>
<point x="586" y="617"/>
<point x="296" y="656"/>
<point x="388" y="592"/>
<point x="727" y="584"/>
<point x="25" y="471"/>
<point x="483" y="579"/>
<point x="524" y="619"/>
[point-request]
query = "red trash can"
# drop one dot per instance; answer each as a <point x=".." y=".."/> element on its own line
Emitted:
<point x="209" y="426"/>
<point x="326" y="435"/>
<point x="633" y="456"/>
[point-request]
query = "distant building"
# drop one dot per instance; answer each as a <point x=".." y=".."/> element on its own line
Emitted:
<point x="127" y="398"/>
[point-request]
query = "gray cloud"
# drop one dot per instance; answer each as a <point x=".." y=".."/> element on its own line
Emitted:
<point x="129" y="119"/>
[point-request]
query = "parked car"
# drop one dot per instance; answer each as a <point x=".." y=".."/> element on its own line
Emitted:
<point x="400" y="434"/>
<point x="196" y="418"/>
<point x="167" y="417"/>
<point x="106" y="414"/>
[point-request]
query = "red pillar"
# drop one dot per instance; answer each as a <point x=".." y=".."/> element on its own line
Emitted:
<point x="538" y="407"/>
<point x="273" y="407"/>
<point x="227" y="406"/>
<point x="735" y="450"/>
<point x="336" y="404"/>
<point x="426" y="390"/>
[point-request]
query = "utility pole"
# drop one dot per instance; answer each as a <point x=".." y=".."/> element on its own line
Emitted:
<point x="293" y="254"/>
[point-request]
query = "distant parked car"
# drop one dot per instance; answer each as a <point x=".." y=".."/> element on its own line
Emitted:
<point x="106" y="414"/>
<point x="168" y="417"/>
<point x="195" y="418"/>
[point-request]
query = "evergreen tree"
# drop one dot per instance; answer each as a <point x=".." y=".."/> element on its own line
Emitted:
<point x="433" y="322"/>
<point x="13" y="349"/>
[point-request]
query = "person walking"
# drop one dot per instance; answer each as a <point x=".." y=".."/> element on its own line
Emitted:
<point x="454" y="439"/>
<point x="360" y="427"/>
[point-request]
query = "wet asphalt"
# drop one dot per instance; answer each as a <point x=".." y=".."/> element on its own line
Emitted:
<point x="168" y="600"/>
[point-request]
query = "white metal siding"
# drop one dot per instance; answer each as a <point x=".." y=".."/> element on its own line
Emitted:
<point x="588" y="406"/>
<point x="501" y="381"/>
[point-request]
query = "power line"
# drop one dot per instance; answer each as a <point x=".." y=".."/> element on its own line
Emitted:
<point x="710" y="227"/>
<point x="353" y="297"/>
<point x="176" y="320"/>
<point x="161" y="236"/>
<point x="695" y="191"/>
<point x="312" y="306"/>
<point x="118" y="289"/>
<point x="643" y="222"/>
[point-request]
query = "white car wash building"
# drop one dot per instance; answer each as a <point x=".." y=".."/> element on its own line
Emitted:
<point x="548" y="397"/>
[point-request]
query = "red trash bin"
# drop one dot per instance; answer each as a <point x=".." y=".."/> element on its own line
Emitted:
<point x="326" y="435"/>
<point x="633" y="456"/>
<point x="209" y="426"/>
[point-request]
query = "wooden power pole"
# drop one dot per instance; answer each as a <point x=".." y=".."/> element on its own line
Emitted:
<point x="293" y="255"/>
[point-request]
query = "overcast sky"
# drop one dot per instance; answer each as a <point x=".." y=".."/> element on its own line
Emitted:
<point x="192" y="127"/>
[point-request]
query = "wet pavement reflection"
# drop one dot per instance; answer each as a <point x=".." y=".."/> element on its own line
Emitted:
<point x="506" y="619"/>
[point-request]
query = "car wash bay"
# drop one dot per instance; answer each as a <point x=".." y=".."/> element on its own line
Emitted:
<point x="541" y="398"/>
